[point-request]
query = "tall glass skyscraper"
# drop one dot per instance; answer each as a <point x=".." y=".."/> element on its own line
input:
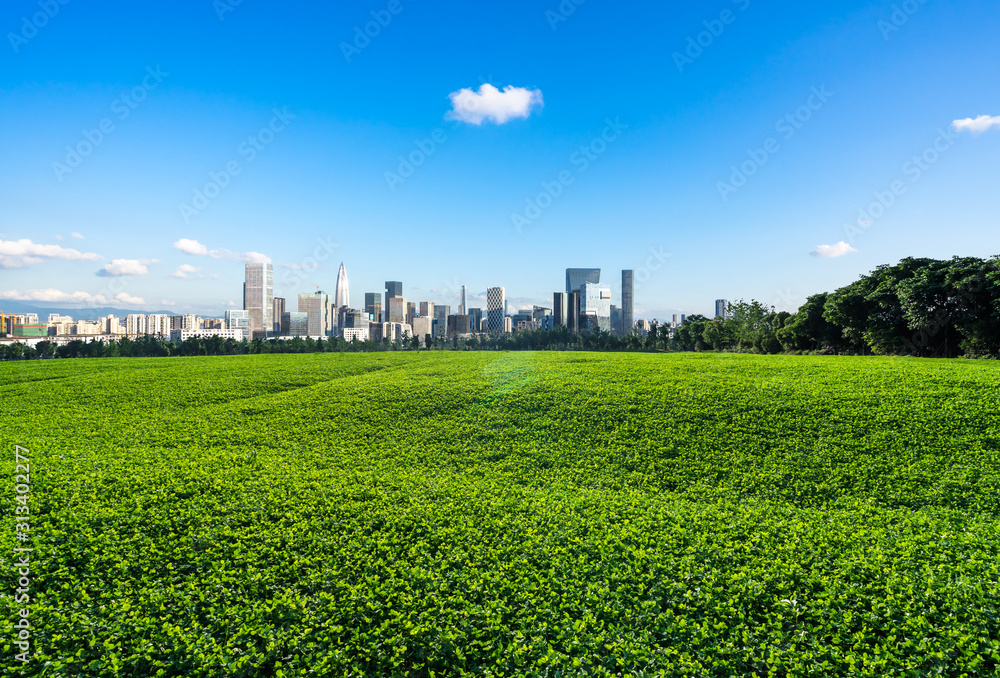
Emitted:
<point x="342" y="296"/>
<point x="575" y="277"/>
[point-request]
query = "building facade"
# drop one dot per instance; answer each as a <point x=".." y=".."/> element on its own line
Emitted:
<point x="628" y="301"/>
<point x="575" y="277"/>
<point x="258" y="298"/>
<point x="595" y="305"/>
<point x="317" y="306"/>
<point x="496" y="303"/>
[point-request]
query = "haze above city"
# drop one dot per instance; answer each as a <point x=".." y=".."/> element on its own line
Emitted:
<point x="151" y="151"/>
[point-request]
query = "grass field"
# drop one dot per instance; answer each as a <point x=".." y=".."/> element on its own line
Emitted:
<point x="507" y="514"/>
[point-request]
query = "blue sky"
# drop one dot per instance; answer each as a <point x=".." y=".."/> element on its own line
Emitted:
<point x="893" y="78"/>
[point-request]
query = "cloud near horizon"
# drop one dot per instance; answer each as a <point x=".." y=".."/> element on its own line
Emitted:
<point x="24" y="252"/>
<point x="831" y="251"/>
<point x="492" y="104"/>
<point x="53" y="295"/>
<point x="976" y="125"/>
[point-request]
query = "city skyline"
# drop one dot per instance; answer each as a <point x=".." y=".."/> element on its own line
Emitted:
<point x="142" y="172"/>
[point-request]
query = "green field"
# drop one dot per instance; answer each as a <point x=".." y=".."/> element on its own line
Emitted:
<point x="507" y="514"/>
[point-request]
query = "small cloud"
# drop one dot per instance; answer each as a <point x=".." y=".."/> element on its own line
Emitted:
<point x="976" y="125"/>
<point x="122" y="267"/>
<point x="194" y="247"/>
<point x="183" y="270"/>
<point x="164" y="302"/>
<point x="254" y="258"/>
<point x="830" y="251"/>
<point x="59" y="237"/>
<point x="24" y="252"/>
<point x="230" y="303"/>
<point x="76" y="235"/>
<point x="492" y="104"/>
<point x="124" y="298"/>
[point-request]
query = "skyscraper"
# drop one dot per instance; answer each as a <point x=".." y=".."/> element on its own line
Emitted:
<point x="426" y="309"/>
<point x="396" y="309"/>
<point x="258" y="298"/>
<point x="575" y="277"/>
<point x="277" y="308"/>
<point x="463" y="302"/>
<point x="558" y="309"/>
<point x="342" y="296"/>
<point x="573" y="311"/>
<point x="628" y="299"/>
<point x="496" y="299"/>
<point x="373" y="305"/>
<point x="393" y="288"/>
<point x="318" y="307"/>
<point x="595" y="304"/>
<point x="721" y="306"/>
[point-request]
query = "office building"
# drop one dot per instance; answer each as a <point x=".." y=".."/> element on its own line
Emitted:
<point x="277" y="308"/>
<point x="240" y="320"/>
<point x="426" y="309"/>
<point x="342" y="296"/>
<point x="539" y="312"/>
<point x="353" y="318"/>
<point x="477" y="318"/>
<point x="508" y="326"/>
<point x="676" y="320"/>
<point x="373" y="305"/>
<point x="317" y="306"/>
<point x="356" y="333"/>
<point x="573" y="311"/>
<point x="595" y="304"/>
<point x="628" y="302"/>
<point x="459" y="325"/>
<point x="721" y="306"/>
<point x="393" y="288"/>
<point x="396" y="309"/>
<point x="411" y="312"/>
<point x="295" y="324"/>
<point x="423" y="326"/>
<point x="441" y="313"/>
<point x="184" y="335"/>
<point x="576" y="277"/>
<point x="496" y="303"/>
<point x="463" y="302"/>
<point x="559" y="309"/>
<point x="258" y="298"/>
<point x="616" y="320"/>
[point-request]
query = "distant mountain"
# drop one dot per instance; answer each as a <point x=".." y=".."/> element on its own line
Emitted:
<point x="81" y="313"/>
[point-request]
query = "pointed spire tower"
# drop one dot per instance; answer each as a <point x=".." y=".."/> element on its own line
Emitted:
<point x="343" y="297"/>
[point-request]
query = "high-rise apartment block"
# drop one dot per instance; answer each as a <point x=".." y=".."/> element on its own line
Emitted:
<point x="496" y="303"/>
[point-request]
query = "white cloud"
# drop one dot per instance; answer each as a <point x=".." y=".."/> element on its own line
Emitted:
<point x="53" y="295"/>
<point x="976" y="125"/>
<point x="120" y="267"/>
<point x="24" y="252"/>
<point x="829" y="251"/>
<point x="183" y="270"/>
<point x="492" y="104"/>
<point x="164" y="302"/>
<point x="194" y="247"/>
<point x="59" y="237"/>
<point x="76" y="235"/>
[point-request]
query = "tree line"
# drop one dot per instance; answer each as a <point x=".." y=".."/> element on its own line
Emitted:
<point x="918" y="307"/>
